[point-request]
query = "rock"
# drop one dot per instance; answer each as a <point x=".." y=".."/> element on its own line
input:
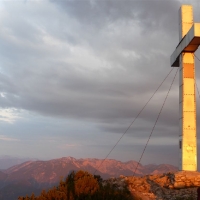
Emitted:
<point x="165" y="186"/>
<point x="171" y="187"/>
<point x="179" y="185"/>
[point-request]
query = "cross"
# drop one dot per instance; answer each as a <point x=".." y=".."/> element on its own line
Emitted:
<point x="183" y="57"/>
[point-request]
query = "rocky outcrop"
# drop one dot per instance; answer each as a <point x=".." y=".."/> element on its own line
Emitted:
<point x="185" y="179"/>
<point x="169" y="186"/>
<point x="141" y="187"/>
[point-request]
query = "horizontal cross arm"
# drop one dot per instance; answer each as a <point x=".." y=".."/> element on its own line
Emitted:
<point x="189" y="43"/>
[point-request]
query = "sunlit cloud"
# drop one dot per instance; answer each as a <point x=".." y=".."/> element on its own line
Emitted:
<point x="2" y="94"/>
<point x="9" y="115"/>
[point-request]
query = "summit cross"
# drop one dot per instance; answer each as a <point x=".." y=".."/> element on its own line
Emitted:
<point x="183" y="57"/>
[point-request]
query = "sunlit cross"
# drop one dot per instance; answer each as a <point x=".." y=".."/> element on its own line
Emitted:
<point x="183" y="57"/>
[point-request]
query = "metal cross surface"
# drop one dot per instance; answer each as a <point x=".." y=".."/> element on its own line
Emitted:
<point x="183" y="57"/>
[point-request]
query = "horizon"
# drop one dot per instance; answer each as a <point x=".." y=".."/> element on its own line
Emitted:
<point x="9" y="162"/>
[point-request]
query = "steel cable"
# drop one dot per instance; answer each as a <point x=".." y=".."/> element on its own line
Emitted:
<point x="132" y="122"/>
<point x="155" y="123"/>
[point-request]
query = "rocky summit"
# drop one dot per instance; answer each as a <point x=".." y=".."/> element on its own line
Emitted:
<point x="168" y="186"/>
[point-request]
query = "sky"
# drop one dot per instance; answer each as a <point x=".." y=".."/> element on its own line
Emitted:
<point x="75" y="73"/>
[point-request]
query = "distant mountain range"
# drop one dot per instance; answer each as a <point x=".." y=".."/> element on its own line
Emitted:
<point x="33" y="176"/>
<point x="9" y="161"/>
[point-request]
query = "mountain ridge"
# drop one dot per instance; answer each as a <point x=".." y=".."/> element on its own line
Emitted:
<point x="34" y="176"/>
<point x="107" y="168"/>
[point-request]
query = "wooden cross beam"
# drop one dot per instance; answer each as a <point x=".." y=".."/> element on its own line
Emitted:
<point x="183" y="57"/>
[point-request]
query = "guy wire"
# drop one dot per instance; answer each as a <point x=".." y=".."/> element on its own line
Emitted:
<point x="155" y="122"/>
<point x="132" y="122"/>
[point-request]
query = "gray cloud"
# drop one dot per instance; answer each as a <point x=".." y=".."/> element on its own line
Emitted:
<point x="91" y="61"/>
<point x="48" y="83"/>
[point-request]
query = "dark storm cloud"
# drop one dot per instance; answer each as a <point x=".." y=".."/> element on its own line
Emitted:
<point x="98" y="61"/>
<point x="91" y="11"/>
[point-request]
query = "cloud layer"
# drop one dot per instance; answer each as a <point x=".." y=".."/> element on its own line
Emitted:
<point x="93" y="65"/>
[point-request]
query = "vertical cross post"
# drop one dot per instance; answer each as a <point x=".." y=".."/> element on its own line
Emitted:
<point x="183" y="57"/>
<point x="187" y="99"/>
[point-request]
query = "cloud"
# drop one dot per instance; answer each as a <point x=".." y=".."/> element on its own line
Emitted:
<point x="97" y="61"/>
<point x="92" y="62"/>
<point x="8" y="139"/>
<point x="9" y="115"/>
<point x="68" y="146"/>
